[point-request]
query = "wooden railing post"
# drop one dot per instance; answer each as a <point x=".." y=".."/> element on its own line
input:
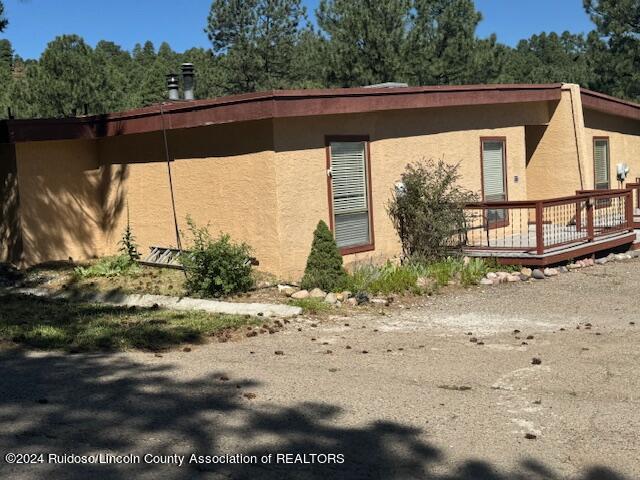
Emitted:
<point x="590" y="229"/>
<point x="628" y="204"/>
<point x="539" y="228"/>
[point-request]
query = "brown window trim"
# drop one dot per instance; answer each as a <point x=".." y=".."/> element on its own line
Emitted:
<point x="351" y="138"/>
<point x="505" y="222"/>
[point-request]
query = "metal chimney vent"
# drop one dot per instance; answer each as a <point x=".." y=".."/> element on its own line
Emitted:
<point x="174" y="86"/>
<point x="188" y="80"/>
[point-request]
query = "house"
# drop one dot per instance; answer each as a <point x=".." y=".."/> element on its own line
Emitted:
<point x="265" y="167"/>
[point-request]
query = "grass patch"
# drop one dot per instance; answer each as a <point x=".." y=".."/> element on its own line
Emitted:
<point x="385" y="279"/>
<point x="107" y="267"/>
<point x="313" y="306"/>
<point x="57" y="324"/>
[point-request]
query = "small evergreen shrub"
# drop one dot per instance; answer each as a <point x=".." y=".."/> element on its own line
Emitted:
<point x="324" y="265"/>
<point x="216" y="267"/>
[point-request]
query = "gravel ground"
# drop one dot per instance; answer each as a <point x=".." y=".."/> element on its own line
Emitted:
<point x="425" y="401"/>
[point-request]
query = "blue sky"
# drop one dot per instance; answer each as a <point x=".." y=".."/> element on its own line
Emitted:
<point x="33" y="23"/>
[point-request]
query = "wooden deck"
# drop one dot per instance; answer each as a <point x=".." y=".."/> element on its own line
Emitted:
<point x="546" y="232"/>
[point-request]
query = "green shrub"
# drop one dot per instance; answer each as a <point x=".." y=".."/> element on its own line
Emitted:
<point x="108" y="267"/>
<point x="324" y="265"/>
<point x="473" y="271"/>
<point x="216" y="267"/>
<point x="428" y="211"/>
<point x="389" y="278"/>
<point x="445" y="270"/>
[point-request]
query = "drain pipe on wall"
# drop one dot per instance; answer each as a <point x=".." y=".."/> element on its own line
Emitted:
<point x="575" y="136"/>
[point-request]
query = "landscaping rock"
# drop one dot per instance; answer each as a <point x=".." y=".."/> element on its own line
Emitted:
<point x="317" y="293"/>
<point x="362" y="297"/>
<point x="351" y="301"/>
<point x="380" y="301"/>
<point x="526" y="272"/>
<point x="563" y="269"/>
<point x="486" y="281"/>
<point x="513" y="278"/>
<point x="346" y="294"/>
<point x="524" y="278"/>
<point x="621" y="257"/>
<point x="287" y="290"/>
<point x="300" y="295"/>
<point x="634" y="253"/>
<point x="502" y="275"/>
<point x="550" y="272"/>
<point x="601" y="261"/>
<point x="331" y="298"/>
<point x="491" y="275"/>
<point x="538" y="274"/>
<point x="574" y="266"/>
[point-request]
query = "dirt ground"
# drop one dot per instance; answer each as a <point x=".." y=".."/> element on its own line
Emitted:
<point x="403" y="394"/>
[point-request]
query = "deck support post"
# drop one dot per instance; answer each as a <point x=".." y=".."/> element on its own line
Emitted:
<point x="590" y="229"/>
<point x="539" y="228"/>
<point x="628" y="204"/>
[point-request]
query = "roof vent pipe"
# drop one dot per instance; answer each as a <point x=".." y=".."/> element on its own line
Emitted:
<point x="173" y="85"/>
<point x="188" y="80"/>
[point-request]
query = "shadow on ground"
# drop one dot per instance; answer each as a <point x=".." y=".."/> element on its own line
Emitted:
<point x="109" y="403"/>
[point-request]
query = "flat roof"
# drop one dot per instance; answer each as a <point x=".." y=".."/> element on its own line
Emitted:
<point x="295" y="103"/>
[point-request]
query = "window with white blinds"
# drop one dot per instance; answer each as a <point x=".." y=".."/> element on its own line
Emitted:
<point x="349" y="190"/>
<point x="601" y="163"/>
<point x="493" y="175"/>
<point x="494" y="185"/>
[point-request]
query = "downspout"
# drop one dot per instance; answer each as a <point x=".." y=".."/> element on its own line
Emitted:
<point x="575" y="136"/>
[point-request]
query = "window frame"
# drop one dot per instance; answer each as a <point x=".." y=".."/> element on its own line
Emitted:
<point x="328" y="139"/>
<point x="595" y="185"/>
<point x="505" y="177"/>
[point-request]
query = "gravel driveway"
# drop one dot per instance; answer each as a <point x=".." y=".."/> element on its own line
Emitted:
<point x="403" y="395"/>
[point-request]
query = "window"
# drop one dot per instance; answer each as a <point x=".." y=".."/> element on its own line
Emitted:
<point x="349" y="185"/>
<point x="601" y="163"/>
<point x="494" y="181"/>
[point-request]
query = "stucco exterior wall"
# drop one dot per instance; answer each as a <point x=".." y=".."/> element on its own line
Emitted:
<point x="555" y="159"/>
<point x="223" y="176"/>
<point x="60" y="183"/>
<point x="10" y="234"/>
<point x="396" y="138"/>
<point x="624" y="144"/>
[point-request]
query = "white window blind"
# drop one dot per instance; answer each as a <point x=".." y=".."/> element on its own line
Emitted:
<point x="601" y="163"/>
<point x="349" y="193"/>
<point x="493" y="171"/>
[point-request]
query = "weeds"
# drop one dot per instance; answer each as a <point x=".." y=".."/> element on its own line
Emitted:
<point x="312" y="306"/>
<point x="108" y="267"/>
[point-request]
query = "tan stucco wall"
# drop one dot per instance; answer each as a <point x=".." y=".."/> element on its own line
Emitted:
<point x="624" y="144"/>
<point x="554" y="164"/>
<point x="60" y="185"/>
<point x="223" y="176"/>
<point x="396" y="138"/>
<point x="10" y="236"/>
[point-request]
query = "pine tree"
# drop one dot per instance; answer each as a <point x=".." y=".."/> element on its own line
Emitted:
<point x="257" y="42"/>
<point x="549" y="58"/>
<point x="324" y="268"/>
<point x="443" y="44"/>
<point x="614" y="48"/>
<point x="366" y="40"/>
<point x="4" y="22"/>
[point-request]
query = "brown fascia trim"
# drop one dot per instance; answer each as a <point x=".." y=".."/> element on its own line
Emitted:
<point x="611" y="105"/>
<point x="272" y="104"/>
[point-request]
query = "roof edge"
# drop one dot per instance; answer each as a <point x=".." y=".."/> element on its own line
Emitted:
<point x="607" y="104"/>
<point x="271" y="104"/>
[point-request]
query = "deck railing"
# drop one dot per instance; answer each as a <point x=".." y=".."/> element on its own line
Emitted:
<point x="543" y="225"/>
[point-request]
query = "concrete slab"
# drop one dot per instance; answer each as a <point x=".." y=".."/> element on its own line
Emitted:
<point x="170" y="303"/>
